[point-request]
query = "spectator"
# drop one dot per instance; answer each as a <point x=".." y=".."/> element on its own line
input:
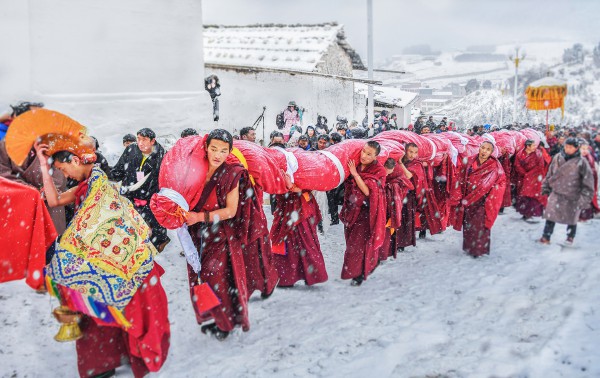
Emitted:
<point x="138" y="170"/>
<point x="128" y="139"/>
<point x="249" y="134"/>
<point x="188" y="132"/>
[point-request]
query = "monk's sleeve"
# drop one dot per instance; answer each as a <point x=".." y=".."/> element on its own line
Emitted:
<point x="587" y="185"/>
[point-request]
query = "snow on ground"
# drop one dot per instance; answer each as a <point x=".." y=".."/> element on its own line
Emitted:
<point x="524" y="311"/>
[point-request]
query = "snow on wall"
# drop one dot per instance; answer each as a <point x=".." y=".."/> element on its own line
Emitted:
<point x="297" y="47"/>
<point x="245" y="94"/>
<point x="115" y="66"/>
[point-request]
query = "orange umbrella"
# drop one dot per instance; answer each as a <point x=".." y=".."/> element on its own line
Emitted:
<point x="58" y="131"/>
<point x="545" y="94"/>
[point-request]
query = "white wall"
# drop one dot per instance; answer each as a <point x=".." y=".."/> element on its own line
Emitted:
<point x="115" y="66"/>
<point x="244" y="95"/>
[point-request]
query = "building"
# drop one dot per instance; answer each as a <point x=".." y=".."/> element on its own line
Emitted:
<point x="430" y="104"/>
<point x="269" y="65"/>
<point x="395" y="100"/>
<point x="112" y="65"/>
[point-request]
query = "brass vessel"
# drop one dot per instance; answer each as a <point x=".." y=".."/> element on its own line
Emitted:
<point x="69" y="328"/>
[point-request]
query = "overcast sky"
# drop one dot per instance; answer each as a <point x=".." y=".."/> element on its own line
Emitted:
<point x="443" y="24"/>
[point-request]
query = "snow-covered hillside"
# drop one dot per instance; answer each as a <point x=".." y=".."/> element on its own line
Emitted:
<point x="524" y="311"/>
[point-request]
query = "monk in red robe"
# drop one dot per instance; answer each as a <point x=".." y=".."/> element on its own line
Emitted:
<point x="505" y="160"/>
<point x="477" y="199"/>
<point x="397" y="185"/>
<point x="141" y="299"/>
<point x="530" y="167"/>
<point x="589" y="212"/>
<point x="226" y="221"/>
<point x="405" y="233"/>
<point x="363" y="215"/>
<point x="297" y="252"/>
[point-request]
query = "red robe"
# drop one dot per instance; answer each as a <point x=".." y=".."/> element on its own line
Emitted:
<point x="428" y="214"/>
<point x="507" y="166"/>
<point x="144" y="345"/>
<point x="442" y="182"/>
<point x="222" y="245"/>
<point x="303" y="259"/>
<point x="531" y="170"/>
<point x="364" y="221"/>
<point x="397" y="186"/>
<point x="27" y="232"/>
<point x="476" y="202"/>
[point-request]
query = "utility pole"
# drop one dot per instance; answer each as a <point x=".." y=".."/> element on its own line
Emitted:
<point x="516" y="60"/>
<point x="370" y="106"/>
<point x="502" y="89"/>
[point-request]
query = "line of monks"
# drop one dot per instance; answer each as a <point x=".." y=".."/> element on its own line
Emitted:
<point x="384" y="207"/>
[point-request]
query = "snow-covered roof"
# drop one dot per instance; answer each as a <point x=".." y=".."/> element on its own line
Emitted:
<point x="292" y="47"/>
<point x="548" y="82"/>
<point x="387" y="95"/>
<point x="434" y="100"/>
<point x="441" y="93"/>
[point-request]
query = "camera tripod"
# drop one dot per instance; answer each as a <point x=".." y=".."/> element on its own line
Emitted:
<point x="258" y="121"/>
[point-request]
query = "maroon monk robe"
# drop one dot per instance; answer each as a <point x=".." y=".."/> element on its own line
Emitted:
<point x="476" y="202"/>
<point x="587" y="214"/>
<point x="144" y="345"/>
<point x="507" y="166"/>
<point x="261" y="273"/>
<point x="531" y="170"/>
<point x="397" y="186"/>
<point x="303" y="259"/>
<point x="428" y="214"/>
<point x="442" y="181"/>
<point x="364" y="221"/>
<point x="221" y="248"/>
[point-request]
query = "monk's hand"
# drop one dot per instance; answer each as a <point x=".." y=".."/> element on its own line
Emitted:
<point x="352" y="168"/>
<point x="193" y="217"/>
<point x="287" y="180"/>
<point x="40" y="151"/>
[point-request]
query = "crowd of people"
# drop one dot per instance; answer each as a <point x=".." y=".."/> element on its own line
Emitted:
<point x="385" y="208"/>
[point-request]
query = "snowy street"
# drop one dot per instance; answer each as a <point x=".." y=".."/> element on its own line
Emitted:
<point x="526" y="310"/>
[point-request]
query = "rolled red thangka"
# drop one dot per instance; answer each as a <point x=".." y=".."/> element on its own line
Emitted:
<point x="182" y="172"/>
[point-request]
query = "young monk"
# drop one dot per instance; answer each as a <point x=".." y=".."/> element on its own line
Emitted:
<point x="224" y="225"/>
<point x="363" y="214"/>
<point x="405" y="234"/>
<point x="397" y="185"/>
<point x="105" y="256"/>
<point x="477" y="199"/>
<point x="531" y="170"/>
<point x="297" y="252"/>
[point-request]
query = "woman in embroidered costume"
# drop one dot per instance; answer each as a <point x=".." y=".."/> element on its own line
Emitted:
<point x="226" y="225"/>
<point x="103" y="267"/>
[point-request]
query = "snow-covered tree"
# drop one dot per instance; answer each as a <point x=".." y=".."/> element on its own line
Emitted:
<point x="472" y="86"/>
<point x="574" y="54"/>
<point x="597" y="55"/>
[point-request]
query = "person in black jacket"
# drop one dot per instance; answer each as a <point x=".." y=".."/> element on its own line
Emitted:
<point x="138" y="170"/>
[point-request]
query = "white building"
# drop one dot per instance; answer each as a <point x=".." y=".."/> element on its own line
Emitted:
<point x="395" y="100"/>
<point x="269" y="65"/>
<point x="115" y="66"/>
<point x="430" y="104"/>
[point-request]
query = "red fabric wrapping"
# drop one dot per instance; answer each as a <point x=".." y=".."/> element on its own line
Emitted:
<point x="426" y="149"/>
<point x="533" y="135"/>
<point x="27" y="232"/>
<point x="183" y="169"/>
<point x="265" y="165"/>
<point x="507" y="166"/>
<point x="477" y="181"/>
<point x="443" y="147"/>
<point x="506" y="142"/>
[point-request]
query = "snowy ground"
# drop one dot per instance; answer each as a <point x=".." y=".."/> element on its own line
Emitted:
<point x="525" y="311"/>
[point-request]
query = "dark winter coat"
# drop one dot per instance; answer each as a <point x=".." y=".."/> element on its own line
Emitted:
<point x="571" y="187"/>
<point x="131" y="162"/>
